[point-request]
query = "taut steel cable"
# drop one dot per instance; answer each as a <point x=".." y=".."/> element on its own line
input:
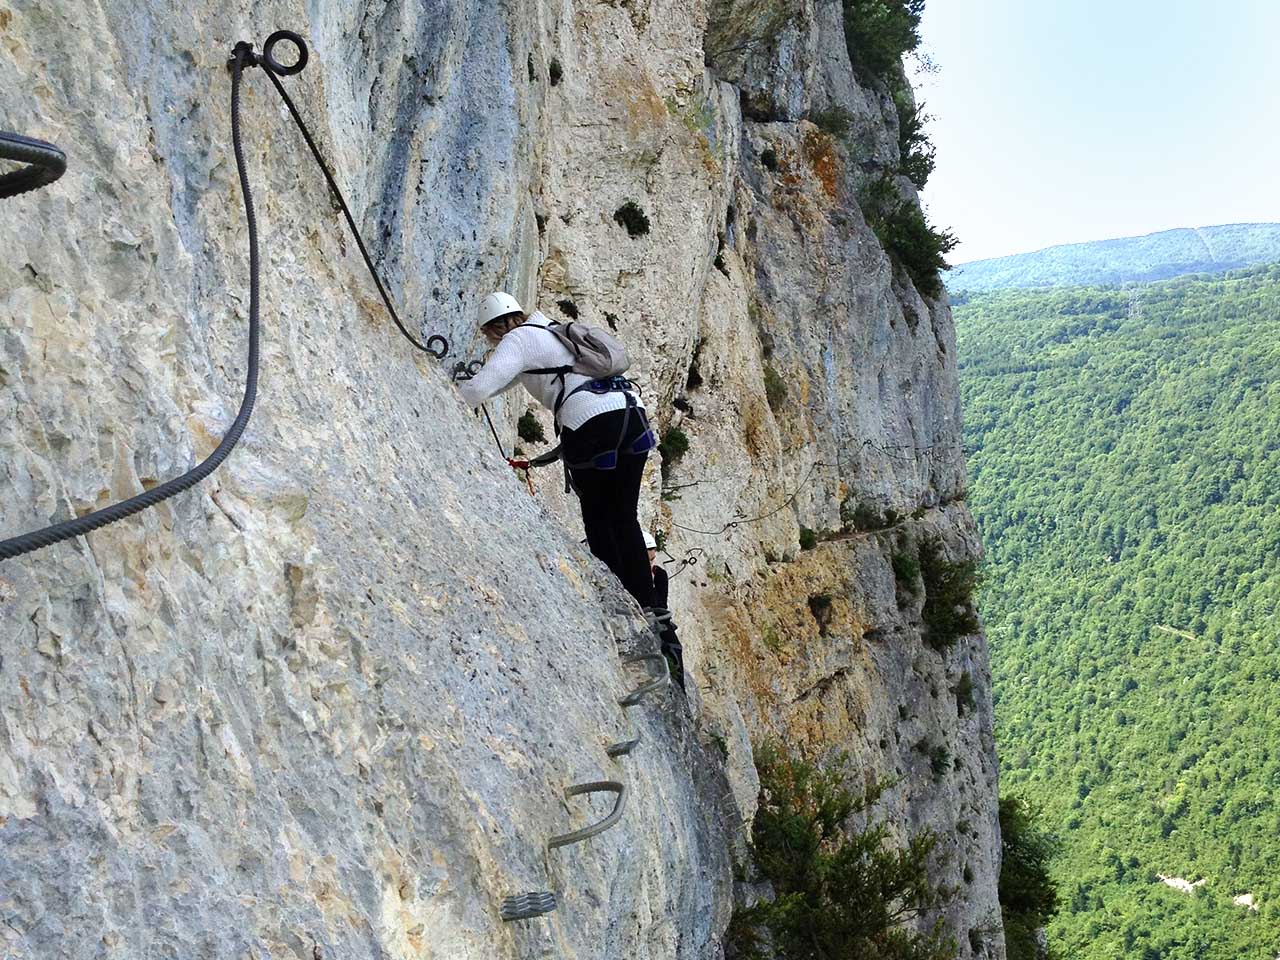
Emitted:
<point x="27" y="542"/>
<point x="45" y="163"/>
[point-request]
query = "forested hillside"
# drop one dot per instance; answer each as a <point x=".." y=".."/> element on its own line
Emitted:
<point x="1156" y="256"/>
<point x="1125" y="473"/>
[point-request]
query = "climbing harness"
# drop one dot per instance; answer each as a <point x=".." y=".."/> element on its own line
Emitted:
<point x="608" y="459"/>
<point x="593" y="351"/>
<point x="46" y="163"/>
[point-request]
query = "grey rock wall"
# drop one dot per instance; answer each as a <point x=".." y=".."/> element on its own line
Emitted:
<point x="331" y="697"/>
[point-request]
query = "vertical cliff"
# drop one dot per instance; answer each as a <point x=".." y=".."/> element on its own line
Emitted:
<point x="331" y="698"/>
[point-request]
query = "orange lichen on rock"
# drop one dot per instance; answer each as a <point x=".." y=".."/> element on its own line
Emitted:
<point x="824" y="159"/>
<point x="646" y="111"/>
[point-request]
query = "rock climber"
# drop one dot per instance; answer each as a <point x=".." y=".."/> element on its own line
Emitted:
<point x="605" y="436"/>
<point x="665" y="625"/>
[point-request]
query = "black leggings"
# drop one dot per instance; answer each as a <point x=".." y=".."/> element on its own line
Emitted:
<point x="609" y="497"/>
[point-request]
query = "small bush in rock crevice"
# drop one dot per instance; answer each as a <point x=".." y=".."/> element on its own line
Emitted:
<point x="836" y="121"/>
<point x="906" y="574"/>
<point x="949" y="613"/>
<point x="775" y="388"/>
<point x="529" y="429"/>
<point x="632" y="218"/>
<point x="674" y="445"/>
<point x="820" y="607"/>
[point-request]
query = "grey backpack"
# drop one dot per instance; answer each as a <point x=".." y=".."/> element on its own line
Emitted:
<point x="596" y="354"/>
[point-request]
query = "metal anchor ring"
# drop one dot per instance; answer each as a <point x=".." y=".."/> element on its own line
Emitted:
<point x="444" y="346"/>
<point x="274" y="65"/>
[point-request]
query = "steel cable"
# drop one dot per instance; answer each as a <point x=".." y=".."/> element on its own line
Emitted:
<point x="27" y="542"/>
<point x="44" y="163"/>
<point x="740" y="519"/>
<point x="271" y="68"/>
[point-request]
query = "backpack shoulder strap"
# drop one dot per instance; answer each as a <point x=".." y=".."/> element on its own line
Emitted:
<point x="561" y="370"/>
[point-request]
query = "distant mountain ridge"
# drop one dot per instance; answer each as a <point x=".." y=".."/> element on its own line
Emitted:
<point x="1156" y="256"/>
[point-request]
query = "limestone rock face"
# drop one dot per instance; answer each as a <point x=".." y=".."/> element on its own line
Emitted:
<point x="326" y="703"/>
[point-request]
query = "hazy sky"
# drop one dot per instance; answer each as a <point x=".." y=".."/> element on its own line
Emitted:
<point x="1058" y="121"/>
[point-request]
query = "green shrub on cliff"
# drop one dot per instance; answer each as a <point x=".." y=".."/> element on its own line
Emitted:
<point x="775" y="388"/>
<point x="949" y="612"/>
<point x="904" y="232"/>
<point x="839" y="894"/>
<point x="529" y="429"/>
<point x="1028" y="896"/>
<point x="878" y="33"/>
<point x="916" y="155"/>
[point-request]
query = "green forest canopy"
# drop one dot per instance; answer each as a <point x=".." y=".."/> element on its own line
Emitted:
<point x="1125" y="475"/>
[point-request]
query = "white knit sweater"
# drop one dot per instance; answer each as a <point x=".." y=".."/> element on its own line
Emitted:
<point x="528" y="348"/>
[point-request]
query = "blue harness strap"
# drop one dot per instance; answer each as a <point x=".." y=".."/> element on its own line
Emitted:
<point x="608" y="459"/>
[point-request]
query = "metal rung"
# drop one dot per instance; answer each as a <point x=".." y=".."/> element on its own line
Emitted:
<point x="657" y="681"/>
<point x="598" y="786"/>
<point x="621" y="749"/>
<point x="528" y="905"/>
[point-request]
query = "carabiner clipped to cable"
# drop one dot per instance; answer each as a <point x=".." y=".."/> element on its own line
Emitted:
<point x="465" y="371"/>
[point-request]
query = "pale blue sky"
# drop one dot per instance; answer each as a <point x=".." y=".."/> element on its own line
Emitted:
<point x="1058" y="121"/>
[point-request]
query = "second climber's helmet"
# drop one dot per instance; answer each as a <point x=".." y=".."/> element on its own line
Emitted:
<point x="497" y="305"/>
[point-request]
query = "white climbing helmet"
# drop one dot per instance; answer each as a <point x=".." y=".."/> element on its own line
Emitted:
<point x="498" y="304"/>
<point x="649" y="542"/>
